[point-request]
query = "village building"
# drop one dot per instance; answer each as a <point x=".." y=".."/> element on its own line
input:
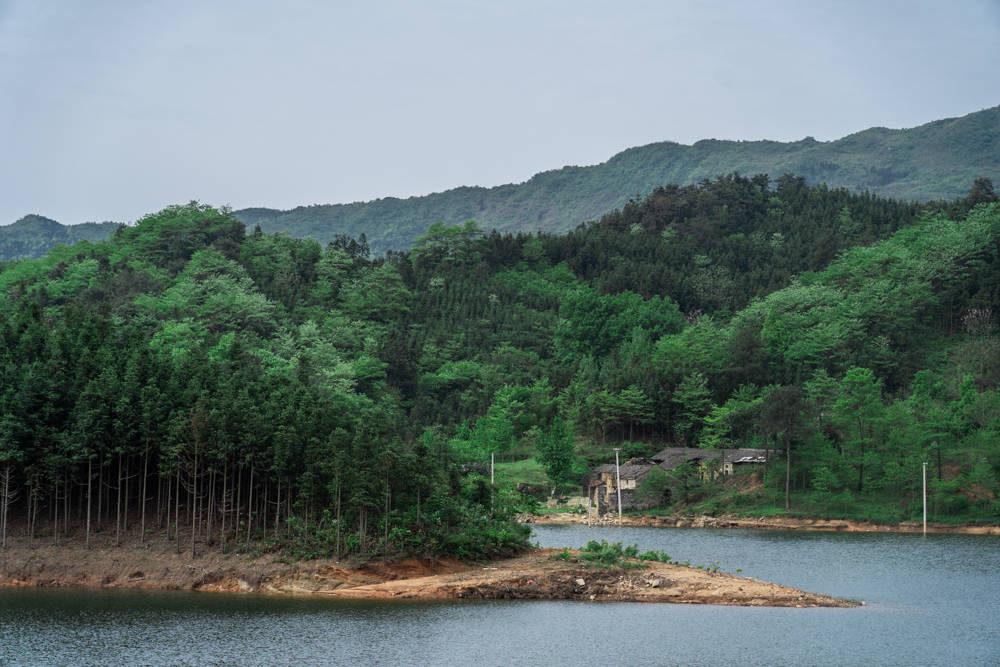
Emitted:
<point x="601" y="484"/>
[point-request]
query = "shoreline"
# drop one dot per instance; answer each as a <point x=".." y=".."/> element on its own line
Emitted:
<point x="160" y="568"/>
<point x="535" y="575"/>
<point x="539" y="576"/>
<point x="760" y="523"/>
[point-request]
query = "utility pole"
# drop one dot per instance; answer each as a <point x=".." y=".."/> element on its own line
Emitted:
<point x="925" y="497"/>
<point x="618" y="478"/>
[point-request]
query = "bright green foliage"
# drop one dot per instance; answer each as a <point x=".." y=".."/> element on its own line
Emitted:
<point x="860" y="413"/>
<point x="557" y="453"/>
<point x="604" y="554"/>
<point x="700" y="346"/>
<point x="654" y="486"/>
<point x="594" y="325"/>
<point x="655" y="555"/>
<point x="336" y="395"/>
<point x="694" y="404"/>
<point x="444" y="245"/>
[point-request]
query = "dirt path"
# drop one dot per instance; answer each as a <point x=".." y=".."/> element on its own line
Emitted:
<point x="767" y="523"/>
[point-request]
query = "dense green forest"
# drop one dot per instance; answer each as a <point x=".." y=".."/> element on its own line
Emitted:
<point x="936" y="161"/>
<point x="235" y="389"/>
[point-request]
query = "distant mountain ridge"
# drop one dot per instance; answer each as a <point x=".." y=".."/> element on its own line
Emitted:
<point x="938" y="160"/>
<point x="34" y="235"/>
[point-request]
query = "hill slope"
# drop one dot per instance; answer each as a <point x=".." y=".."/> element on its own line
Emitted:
<point x="336" y="395"/>
<point x="938" y="160"/>
<point x="33" y="236"/>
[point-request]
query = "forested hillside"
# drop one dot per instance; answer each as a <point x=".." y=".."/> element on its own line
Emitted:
<point x="934" y="161"/>
<point x="33" y="236"/>
<point x="235" y="389"/>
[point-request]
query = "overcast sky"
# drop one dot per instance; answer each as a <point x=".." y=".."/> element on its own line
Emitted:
<point x="110" y="110"/>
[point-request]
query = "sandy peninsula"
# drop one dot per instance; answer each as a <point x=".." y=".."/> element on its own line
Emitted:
<point x="537" y="575"/>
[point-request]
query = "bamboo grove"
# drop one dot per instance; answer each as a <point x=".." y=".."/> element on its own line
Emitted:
<point x="187" y="380"/>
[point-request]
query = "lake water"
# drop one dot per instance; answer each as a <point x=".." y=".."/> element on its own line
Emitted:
<point x="931" y="600"/>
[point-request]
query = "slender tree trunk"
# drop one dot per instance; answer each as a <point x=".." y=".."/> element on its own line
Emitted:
<point x="128" y="478"/>
<point x="79" y="507"/>
<point x="238" y="482"/>
<point x="177" y="511"/>
<point x="277" y="511"/>
<point x="194" y="503"/>
<point x="788" y="472"/>
<point x="250" y="506"/>
<point x="55" y="513"/>
<point x="361" y="529"/>
<point x="100" y="494"/>
<point x="263" y="510"/>
<point x="195" y="519"/>
<point x="4" y="504"/>
<point x="385" y="548"/>
<point x="118" y="506"/>
<point x="90" y="477"/>
<point x="32" y="515"/>
<point x="159" y="502"/>
<point x="222" y="528"/>
<point x="861" y="462"/>
<point x="338" y="517"/>
<point x="211" y="504"/>
<point x="142" y="511"/>
<point x="170" y="497"/>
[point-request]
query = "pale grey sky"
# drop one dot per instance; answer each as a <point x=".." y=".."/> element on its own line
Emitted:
<point x="114" y="109"/>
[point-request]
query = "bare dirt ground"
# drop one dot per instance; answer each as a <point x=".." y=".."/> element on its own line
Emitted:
<point x="539" y="576"/>
<point x="767" y="523"/>
<point x="534" y="576"/>
<point x="160" y="563"/>
<point x="131" y="567"/>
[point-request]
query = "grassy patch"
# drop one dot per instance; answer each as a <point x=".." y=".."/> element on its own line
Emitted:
<point x="769" y="502"/>
<point x="526" y="471"/>
<point x="604" y="554"/>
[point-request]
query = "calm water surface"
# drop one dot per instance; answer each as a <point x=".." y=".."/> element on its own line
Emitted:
<point x="930" y="601"/>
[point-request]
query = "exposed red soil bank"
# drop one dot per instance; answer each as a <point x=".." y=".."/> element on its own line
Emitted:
<point x="149" y="567"/>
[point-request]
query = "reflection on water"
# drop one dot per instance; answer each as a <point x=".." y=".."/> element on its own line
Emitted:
<point x="933" y="600"/>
